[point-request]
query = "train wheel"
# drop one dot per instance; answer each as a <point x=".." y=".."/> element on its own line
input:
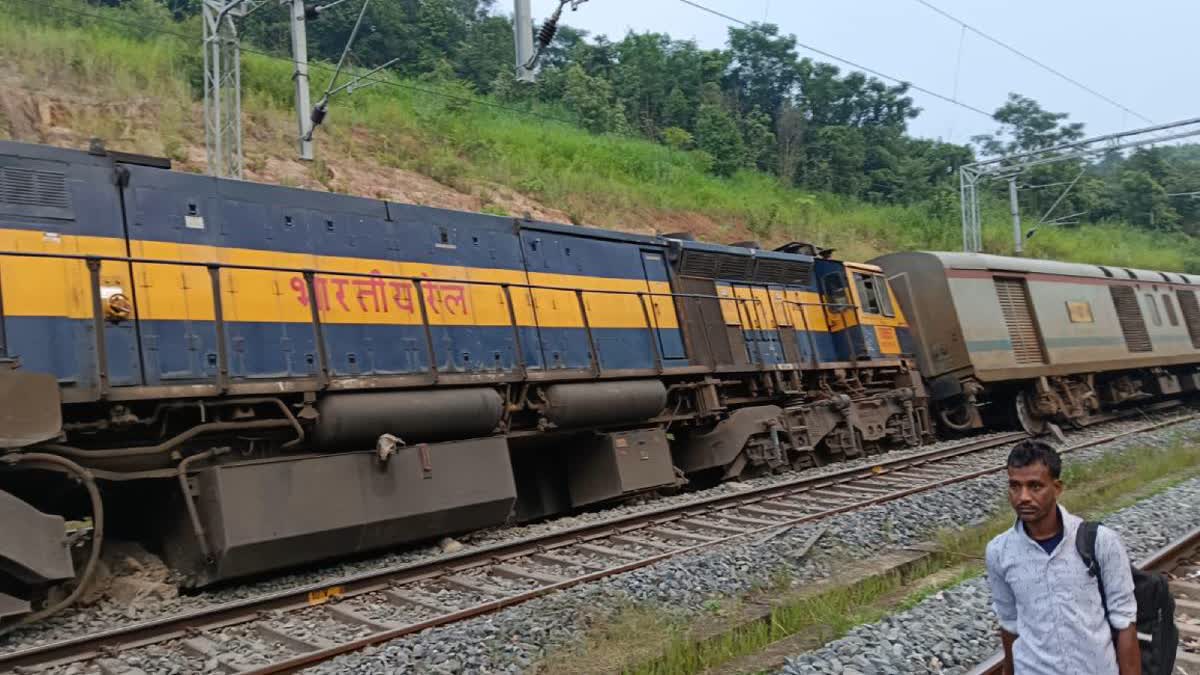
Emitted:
<point x="1026" y="417"/>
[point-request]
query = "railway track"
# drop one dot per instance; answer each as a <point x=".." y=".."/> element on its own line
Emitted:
<point x="1180" y="561"/>
<point x="293" y="629"/>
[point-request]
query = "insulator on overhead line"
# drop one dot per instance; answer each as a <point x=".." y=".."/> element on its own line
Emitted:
<point x="319" y="112"/>
<point x="548" y="31"/>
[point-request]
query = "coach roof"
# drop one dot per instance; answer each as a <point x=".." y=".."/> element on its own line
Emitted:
<point x="984" y="261"/>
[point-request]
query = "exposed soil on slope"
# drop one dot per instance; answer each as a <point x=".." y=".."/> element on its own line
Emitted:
<point x="73" y="119"/>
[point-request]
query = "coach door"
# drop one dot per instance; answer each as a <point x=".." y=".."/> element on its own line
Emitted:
<point x="661" y="308"/>
<point x="840" y="313"/>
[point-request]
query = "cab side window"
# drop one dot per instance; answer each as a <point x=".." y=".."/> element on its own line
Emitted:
<point x="885" y="297"/>
<point x="873" y="294"/>
<point x="835" y="291"/>
<point x="868" y="301"/>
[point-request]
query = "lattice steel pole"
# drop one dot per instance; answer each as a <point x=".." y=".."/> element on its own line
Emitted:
<point x="222" y="87"/>
<point x="969" y="197"/>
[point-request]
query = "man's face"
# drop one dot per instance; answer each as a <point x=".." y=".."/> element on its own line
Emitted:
<point x="1032" y="491"/>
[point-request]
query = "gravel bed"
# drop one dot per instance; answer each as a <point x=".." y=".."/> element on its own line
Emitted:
<point x="316" y="624"/>
<point x="378" y="608"/>
<point x="953" y="630"/>
<point x="512" y="640"/>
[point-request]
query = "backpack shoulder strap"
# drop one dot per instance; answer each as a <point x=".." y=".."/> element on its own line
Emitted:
<point x="1085" y="544"/>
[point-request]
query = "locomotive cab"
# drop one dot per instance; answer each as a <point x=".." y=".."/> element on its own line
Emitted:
<point x="862" y="315"/>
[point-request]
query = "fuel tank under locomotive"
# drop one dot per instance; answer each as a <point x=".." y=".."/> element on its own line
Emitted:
<point x="356" y="421"/>
<point x="452" y="474"/>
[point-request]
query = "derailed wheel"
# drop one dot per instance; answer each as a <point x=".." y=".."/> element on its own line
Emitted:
<point x="1026" y="417"/>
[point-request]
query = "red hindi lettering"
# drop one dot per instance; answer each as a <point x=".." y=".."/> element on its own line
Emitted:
<point x="373" y="288"/>
<point x="431" y="301"/>
<point x="402" y="295"/>
<point x="340" y="294"/>
<point x="301" y="289"/>
<point x="455" y="294"/>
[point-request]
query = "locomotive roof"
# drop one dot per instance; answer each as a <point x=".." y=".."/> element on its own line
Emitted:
<point x="984" y="261"/>
<point x="741" y="250"/>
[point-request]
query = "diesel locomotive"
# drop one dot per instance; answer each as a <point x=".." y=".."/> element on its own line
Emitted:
<point x="247" y="377"/>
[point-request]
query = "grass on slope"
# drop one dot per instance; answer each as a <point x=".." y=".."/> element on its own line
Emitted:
<point x="602" y="180"/>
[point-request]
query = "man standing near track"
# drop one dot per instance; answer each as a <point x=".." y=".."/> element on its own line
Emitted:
<point x="1052" y="620"/>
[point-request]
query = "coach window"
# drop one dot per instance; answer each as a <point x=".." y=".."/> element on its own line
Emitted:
<point x="1155" y="316"/>
<point x="1170" y="307"/>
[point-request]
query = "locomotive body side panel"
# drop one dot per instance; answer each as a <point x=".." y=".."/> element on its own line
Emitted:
<point x="769" y="312"/>
<point x="58" y="203"/>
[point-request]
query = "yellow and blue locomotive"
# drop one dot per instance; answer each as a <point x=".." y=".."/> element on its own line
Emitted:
<point x="247" y="377"/>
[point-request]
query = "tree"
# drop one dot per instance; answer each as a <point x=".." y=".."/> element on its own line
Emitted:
<point x="789" y="140"/>
<point x="763" y="68"/>
<point x="486" y="52"/>
<point x="717" y="134"/>
<point x="1144" y="201"/>
<point x="1027" y="127"/>
<point x="854" y="100"/>
<point x="592" y="100"/>
<point x="758" y="139"/>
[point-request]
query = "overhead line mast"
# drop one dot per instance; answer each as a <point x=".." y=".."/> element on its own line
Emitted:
<point x="223" y="85"/>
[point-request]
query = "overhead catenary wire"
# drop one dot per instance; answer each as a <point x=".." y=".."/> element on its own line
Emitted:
<point x="152" y="28"/>
<point x="1038" y="63"/>
<point x="858" y="66"/>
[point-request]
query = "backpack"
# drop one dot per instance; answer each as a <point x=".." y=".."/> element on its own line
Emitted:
<point x="1157" y="635"/>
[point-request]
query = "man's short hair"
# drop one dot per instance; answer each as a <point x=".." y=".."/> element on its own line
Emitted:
<point x="1031" y="451"/>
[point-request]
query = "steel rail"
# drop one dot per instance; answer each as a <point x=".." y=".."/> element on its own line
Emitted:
<point x="172" y="627"/>
<point x="240" y="612"/>
<point x="1163" y="560"/>
<point x="319" y="656"/>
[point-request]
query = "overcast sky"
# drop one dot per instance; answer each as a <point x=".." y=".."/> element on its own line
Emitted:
<point x="1141" y="54"/>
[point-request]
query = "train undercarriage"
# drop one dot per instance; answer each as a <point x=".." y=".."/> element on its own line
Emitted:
<point x="234" y="487"/>
<point x="1040" y="405"/>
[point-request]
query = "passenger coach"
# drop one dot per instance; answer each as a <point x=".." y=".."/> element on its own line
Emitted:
<point x="1043" y="341"/>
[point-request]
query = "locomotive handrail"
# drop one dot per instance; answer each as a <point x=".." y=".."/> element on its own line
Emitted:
<point x="309" y="275"/>
<point x="369" y="275"/>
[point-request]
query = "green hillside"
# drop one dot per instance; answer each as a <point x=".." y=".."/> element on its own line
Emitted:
<point x="71" y="76"/>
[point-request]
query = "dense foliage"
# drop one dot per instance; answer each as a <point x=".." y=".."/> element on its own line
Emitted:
<point x="756" y="104"/>
<point x="753" y="105"/>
